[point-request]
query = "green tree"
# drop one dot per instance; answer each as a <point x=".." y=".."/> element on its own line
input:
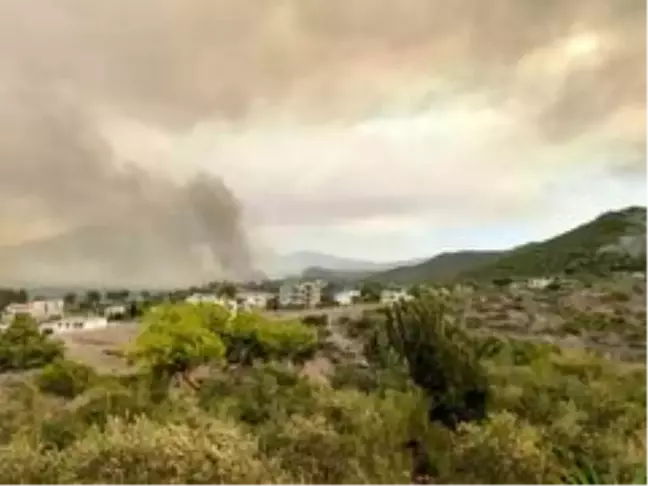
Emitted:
<point x="10" y="296"/>
<point x="441" y="359"/>
<point x="118" y="295"/>
<point x="23" y="346"/>
<point x="228" y="290"/>
<point x="370" y="291"/>
<point x="65" y="378"/>
<point x="91" y="299"/>
<point x="176" y="339"/>
<point x="70" y="299"/>
<point x="250" y="336"/>
<point x="502" y="282"/>
<point x="328" y="294"/>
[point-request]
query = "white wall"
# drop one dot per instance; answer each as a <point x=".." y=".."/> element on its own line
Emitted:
<point x="38" y="309"/>
<point x="75" y="324"/>
<point x="346" y="297"/>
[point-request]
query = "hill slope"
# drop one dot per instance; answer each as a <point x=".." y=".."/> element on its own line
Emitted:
<point x="614" y="241"/>
<point x="445" y="266"/>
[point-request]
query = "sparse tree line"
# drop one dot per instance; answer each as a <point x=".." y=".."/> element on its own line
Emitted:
<point x="219" y="398"/>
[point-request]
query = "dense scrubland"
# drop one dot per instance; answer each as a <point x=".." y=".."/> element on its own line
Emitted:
<point x="411" y="396"/>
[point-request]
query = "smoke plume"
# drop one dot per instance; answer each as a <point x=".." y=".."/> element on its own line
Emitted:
<point x="567" y="67"/>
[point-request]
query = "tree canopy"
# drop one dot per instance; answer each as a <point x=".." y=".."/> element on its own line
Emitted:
<point x="23" y="346"/>
<point x="177" y="338"/>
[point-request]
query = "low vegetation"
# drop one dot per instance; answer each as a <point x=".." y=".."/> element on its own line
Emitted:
<point x="217" y="398"/>
<point x="23" y="346"/>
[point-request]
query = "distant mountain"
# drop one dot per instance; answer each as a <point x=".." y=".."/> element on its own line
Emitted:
<point x="341" y="276"/>
<point x="443" y="267"/>
<point x="295" y="264"/>
<point x="615" y="240"/>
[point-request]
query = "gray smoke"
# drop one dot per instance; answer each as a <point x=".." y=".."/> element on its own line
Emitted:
<point x="172" y="64"/>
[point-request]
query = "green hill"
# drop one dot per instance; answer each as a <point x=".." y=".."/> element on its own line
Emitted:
<point x="443" y="267"/>
<point x="335" y="276"/>
<point x="614" y="241"/>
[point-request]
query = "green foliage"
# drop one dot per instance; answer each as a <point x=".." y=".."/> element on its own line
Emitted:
<point x="442" y="268"/>
<point x="228" y="290"/>
<point x="441" y="360"/>
<point x="175" y="340"/>
<point x="370" y="291"/>
<point x="259" y="394"/>
<point x="144" y="452"/>
<point x="10" y="296"/>
<point x="574" y="252"/>
<point x="179" y="337"/>
<point x="66" y="379"/>
<point x="250" y="336"/>
<point x="554" y="415"/>
<point x="23" y="346"/>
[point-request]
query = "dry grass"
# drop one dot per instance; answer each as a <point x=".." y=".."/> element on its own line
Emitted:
<point x="96" y="347"/>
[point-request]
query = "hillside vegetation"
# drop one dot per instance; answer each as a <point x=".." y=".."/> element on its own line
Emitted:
<point x="232" y="399"/>
<point x="614" y="241"/>
<point x="443" y="267"/>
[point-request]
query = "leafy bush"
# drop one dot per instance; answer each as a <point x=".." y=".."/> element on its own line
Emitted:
<point x="23" y="346"/>
<point x="413" y="410"/>
<point x="503" y="450"/>
<point x="66" y="378"/>
<point x="256" y="395"/>
<point x="441" y="360"/>
<point x="250" y="336"/>
<point x="144" y="452"/>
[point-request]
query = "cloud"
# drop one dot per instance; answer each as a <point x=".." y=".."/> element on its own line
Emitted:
<point x="313" y="112"/>
<point x="463" y="162"/>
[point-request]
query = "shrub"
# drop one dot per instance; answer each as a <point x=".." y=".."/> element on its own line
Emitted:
<point x="441" y="359"/>
<point x="258" y="394"/>
<point x="250" y="336"/>
<point x="145" y="452"/>
<point x="23" y="346"/>
<point x="66" y="378"/>
<point x="503" y="450"/>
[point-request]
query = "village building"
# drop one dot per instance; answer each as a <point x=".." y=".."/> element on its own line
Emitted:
<point x="38" y="310"/>
<point x="346" y="297"/>
<point x="301" y="294"/>
<point x="73" y="324"/>
<point x="390" y="296"/>
<point x="115" y="311"/>
<point x="254" y="300"/>
<point x="196" y="299"/>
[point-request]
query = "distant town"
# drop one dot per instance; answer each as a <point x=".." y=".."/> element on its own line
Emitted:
<point x="93" y="310"/>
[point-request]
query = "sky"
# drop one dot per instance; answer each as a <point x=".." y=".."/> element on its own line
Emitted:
<point x="362" y="128"/>
<point x="402" y="186"/>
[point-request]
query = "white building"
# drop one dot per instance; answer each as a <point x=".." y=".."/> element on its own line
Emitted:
<point x="39" y="310"/>
<point x="73" y="323"/>
<point x="394" y="296"/>
<point x="254" y="300"/>
<point x="302" y="294"/>
<point x="346" y="297"/>
<point x="118" y="310"/>
<point x="539" y="283"/>
<point x="196" y="299"/>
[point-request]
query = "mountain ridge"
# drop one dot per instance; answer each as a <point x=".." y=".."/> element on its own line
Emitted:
<point x="614" y="239"/>
<point x="444" y="266"/>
